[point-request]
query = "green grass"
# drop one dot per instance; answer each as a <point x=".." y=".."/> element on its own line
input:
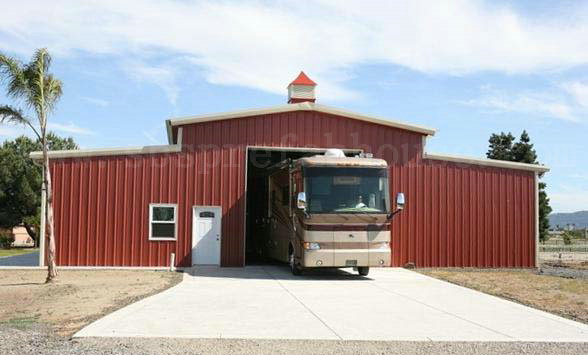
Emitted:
<point x="16" y="251"/>
<point x="20" y="323"/>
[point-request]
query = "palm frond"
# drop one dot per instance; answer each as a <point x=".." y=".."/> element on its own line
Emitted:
<point x="42" y="60"/>
<point x="52" y="91"/>
<point x="9" y="114"/>
<point x="11" y="70"/>
<point x="33" y="85"/>
<point x="12" y="115"/>
<point x="35" y="79"/>
<point x="36" y="73"/>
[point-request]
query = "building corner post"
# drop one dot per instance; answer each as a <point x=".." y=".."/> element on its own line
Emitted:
<point x="42" y="232"/>
<point x="536" y="219"/>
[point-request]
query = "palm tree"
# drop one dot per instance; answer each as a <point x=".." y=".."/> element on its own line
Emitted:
<point x="32" y="85"/>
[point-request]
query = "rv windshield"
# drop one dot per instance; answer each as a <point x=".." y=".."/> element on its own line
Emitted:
<point x="347" y="190"/>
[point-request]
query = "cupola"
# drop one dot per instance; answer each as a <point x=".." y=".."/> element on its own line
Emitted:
<point x="301" y="89"/>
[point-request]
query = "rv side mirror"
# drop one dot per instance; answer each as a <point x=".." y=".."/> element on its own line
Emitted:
<point x="301" y="201"/>
<point x="400" y="201"/>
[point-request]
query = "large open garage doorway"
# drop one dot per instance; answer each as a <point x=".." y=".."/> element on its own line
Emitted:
<point x="260" y="161"/>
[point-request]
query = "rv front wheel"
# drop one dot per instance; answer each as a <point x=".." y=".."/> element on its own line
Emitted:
<point x="296" y="269"/>
<point x="363" y="270"/>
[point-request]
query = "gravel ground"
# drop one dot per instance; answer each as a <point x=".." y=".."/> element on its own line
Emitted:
<point x="564" y="296"/>
<point x="36" y="339"/>
<point x="77" y="298"/>
<point x="563" y="271"/>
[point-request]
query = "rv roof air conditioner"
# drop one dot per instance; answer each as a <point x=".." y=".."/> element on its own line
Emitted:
<point x="334" y="153"/>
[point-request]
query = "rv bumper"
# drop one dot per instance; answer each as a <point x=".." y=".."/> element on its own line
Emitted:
<point x="380" y="257"/>
<point x="318" y="258"/>
<point x="346" y="258"/>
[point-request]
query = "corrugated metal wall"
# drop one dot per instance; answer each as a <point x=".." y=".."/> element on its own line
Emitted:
<point x="463" y="215"/>
<point x="101" y="209"/>
<point x="456" y="215"/>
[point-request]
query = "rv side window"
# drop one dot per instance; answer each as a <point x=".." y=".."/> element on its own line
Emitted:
<point x="162" y="221"/>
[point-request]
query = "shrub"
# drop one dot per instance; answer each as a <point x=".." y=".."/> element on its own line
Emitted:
<point x="6" y="240"/>
<point x="567" y="238"/>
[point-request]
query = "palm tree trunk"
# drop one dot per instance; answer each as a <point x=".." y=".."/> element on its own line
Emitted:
<point x="51" y="265"/>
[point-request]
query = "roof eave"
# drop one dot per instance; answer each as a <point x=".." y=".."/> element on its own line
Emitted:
<point x="86" y="153"/>
<point x="302" y="106"/>
<point x="540" y="169"/>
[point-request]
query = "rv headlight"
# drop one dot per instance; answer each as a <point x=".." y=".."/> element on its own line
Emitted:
<point x="311" y="246"/>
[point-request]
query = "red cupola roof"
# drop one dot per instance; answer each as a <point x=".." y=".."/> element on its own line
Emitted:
<point x="301" y="89"/>
<point x="302" y="79"/>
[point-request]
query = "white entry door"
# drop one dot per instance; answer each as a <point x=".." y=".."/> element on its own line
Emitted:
<point x="206" y="235"/>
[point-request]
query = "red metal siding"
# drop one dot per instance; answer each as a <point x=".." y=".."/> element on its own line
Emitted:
<point x="456" y="214"/>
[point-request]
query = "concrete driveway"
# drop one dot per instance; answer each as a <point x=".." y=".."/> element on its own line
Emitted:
<point x="267" y="302"/>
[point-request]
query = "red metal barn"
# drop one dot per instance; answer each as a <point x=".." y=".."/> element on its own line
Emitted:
<point x="135" y="206"/>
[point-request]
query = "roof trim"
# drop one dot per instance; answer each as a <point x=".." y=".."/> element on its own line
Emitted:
<point x="100" y="152"/>
<point x="302" y="106"/>
<point x="300" y="149"/>
<point x="486" y="162"/>
<point x="82" y="153"/>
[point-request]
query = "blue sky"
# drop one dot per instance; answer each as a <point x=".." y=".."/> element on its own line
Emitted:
<point x="467" y="68"/>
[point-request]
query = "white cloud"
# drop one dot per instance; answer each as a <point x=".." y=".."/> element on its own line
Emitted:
<point x="96" y="101"/>
<point x="13" y="131"/>
<point x="69" y="127"/>
<point x="569" y="200"/>
<point x="163" y="76"/>
<point x="537" y="104"/>
<point x="579" y="91"/>
<point x="262" y="45"/>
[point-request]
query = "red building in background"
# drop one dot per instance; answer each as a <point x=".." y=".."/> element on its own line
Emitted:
<point x="137" y="206"/>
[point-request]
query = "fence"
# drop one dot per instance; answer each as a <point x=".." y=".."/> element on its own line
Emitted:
<point x="564" y="248"/>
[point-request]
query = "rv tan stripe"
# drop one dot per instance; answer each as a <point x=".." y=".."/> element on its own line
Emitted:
<point x="352" y="245"/>
<point x="346" y="227"/>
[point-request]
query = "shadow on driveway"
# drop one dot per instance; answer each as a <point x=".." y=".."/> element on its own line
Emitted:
<point x="278" y="272"/>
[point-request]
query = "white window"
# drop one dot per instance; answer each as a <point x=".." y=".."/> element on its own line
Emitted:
<point x="162" y="221"/>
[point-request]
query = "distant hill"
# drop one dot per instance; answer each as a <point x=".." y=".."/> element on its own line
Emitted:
<point x="580" y="219"/>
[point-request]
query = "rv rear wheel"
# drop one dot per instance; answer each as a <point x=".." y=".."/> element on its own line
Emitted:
<point x="363" y="270"/>
<point x="296" y="269"/>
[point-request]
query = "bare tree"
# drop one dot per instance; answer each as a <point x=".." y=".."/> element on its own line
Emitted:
<point x="38" y="91"/>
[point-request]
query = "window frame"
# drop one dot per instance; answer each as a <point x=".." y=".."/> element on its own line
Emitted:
<point x="174" y="222"/>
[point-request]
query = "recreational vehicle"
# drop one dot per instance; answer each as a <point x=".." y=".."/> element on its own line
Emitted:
<point x="330" y="211"/>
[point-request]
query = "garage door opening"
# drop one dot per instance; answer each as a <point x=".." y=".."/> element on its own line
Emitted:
<point x="261" y="163"/>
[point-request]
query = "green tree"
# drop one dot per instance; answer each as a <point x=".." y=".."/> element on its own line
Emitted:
<point x="503" y="147"/>
<point x="20" y="182"/>
<point x="544" y="212"/>
<point x="37" y="91"/>
<point x="523" y="151"/>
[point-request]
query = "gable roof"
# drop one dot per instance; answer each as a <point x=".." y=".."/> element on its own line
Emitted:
<point x="302" y="79"/>
<point x="302" y="106"/>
